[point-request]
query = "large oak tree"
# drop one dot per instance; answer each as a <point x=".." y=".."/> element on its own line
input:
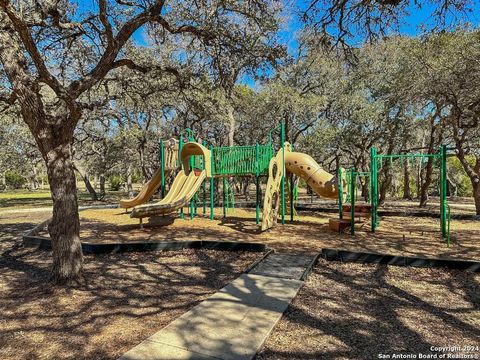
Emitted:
<point x="54" y="53"/>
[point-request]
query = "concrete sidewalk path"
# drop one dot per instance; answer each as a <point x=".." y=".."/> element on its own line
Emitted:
<point x="231" y="324"/>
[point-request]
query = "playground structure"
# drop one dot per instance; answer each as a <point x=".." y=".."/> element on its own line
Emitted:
<point x="200" y="164"/>
<point x="349" y="213"/>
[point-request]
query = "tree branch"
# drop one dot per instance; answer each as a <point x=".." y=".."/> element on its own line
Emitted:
<point x="105" y="63"/>
<point x="24" y="33"/>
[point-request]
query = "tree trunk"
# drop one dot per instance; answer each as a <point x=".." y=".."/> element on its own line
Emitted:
<point x="102" y="185"/>
<point x="387" y="175"/>
<point x="245" y="189"/>
<point x="473" y="174"/>
<point x="427" y="180"/>
<point x="88" y="185"/>
<point x="35" y="182"/>
<point x="452" y="188"/>
<point x="64" y="228"/>
<point x="476" y="196"/>
<point x="3" y="181"/>
<point x="129" y="181"/>
<point x="407" y="192"/>
<point x="231" y="125"/>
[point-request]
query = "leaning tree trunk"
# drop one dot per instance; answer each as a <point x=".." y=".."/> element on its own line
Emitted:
<point x="64" y="228"/>
<point x="88" y="185"/>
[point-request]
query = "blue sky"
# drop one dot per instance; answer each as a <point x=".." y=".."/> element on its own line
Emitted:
<point x="411" y="24"/>
<point x="414" y="23"/>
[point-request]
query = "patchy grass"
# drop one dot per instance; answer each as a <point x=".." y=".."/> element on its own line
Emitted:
<point x="358" y="311"/>
<point x="22" y="199"/>
<point x="128" y="297"/>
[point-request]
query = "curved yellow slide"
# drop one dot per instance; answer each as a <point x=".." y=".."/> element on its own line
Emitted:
<point x="147" y="190"/>
<point x="304" y="166"/>
<point x="184" y="187"/>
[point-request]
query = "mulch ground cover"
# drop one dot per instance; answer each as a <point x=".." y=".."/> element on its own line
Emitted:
<point x="359" y="311"/>
<point x="127" y="298"/>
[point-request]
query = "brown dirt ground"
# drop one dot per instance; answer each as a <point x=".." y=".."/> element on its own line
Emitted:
<point x="128" y="297"/>
<point x="357" y="311"/>
<point x="408" y="236"/>
<point x="458" y="205"/>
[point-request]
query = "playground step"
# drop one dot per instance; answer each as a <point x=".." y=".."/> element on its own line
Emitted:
<point x="233" y="323"/>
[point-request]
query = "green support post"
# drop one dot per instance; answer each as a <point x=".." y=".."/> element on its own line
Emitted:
<point x="212" y="187"/>
<point x="180" y="146"/>
<point x="291" y="197"/>
<point x="257" y="185"/>
<point x="204" y="199"/>
<point x="353" y="177"/>
<point x="192" y="168"/>
<point x="162" y="167"/>
<point x="340" y="193"/>
<point x="292" y="193"/>
<point x="224" y="197"/>
<point x="443" y="191"/>
<point x="282" y="141"/>
<point x="373" y="188"/>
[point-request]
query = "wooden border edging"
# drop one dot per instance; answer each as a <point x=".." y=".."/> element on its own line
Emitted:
<point x="373" y="258"/>
<point x="310" y="267"/>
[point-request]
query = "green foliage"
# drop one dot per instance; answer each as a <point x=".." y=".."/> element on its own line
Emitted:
<point x="458" y="176"/>
<point x="115" y="182"/>
<point x="14" y="180"/>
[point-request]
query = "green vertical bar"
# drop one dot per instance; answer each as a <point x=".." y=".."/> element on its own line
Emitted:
<point x="162" y="166"/>
<point x="224" y="197"/>
<point x="291" y="197"/>
<point x="282" y="141"/>
<point x="204" y="184"/>
<point x="353" y="178"/>
<point x="212" y="186"/>
<point x="180" y="146"/>
<point x="373" y="183"/>
<point x="257" y="185"/>
<point x="443" y="191"/>
<point x="340" y="193"/>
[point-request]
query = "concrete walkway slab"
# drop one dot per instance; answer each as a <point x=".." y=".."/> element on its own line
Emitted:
<point x="287" y="266"/>
<point x="232" y="324"/>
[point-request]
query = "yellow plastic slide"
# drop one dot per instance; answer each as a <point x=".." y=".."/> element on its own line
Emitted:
<point x="170" y="153"/>
<point x="147" y="190"/>
<point x="184" y="187"/>
<point x="302" y="165"/>
<point x="181" y="192"/>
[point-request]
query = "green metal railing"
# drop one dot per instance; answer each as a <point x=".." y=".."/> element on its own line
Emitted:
<point x="241" y="160"/>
